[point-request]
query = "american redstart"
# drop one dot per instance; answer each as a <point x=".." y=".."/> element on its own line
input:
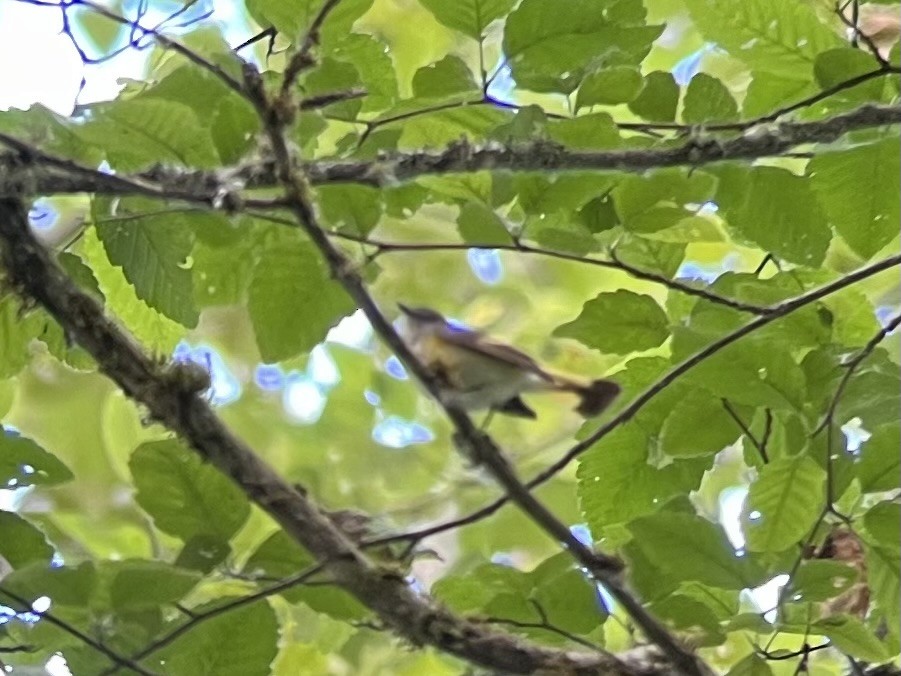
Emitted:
<point x="476" y="372"/>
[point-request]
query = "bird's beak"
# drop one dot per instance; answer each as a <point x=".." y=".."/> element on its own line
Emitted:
<point x="405" y="309"/>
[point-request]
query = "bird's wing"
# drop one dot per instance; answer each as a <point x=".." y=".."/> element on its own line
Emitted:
<point x="478" y="343"/>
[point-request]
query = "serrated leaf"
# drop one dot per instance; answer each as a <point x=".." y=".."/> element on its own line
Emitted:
<point x="780" y="213"/>
<point x="241" y="642"/>
<point x="560" y="232"/>
<point x="21" y="543"/>
<point x="689" y="547"/>
<point x="140" y="584"/>
<point x="446" y="77"/>
<point x="609" y="86"/>
<point x="548" y="50"/>
<point x="470" y="17"/>
<point x="783" y="503"/>
<point x="768" y="35"/>
<point x="620" y="322"/>
<point x="616" y="483"/>
<point x="155" y="331"/>
<point x="293" y="301"/>
<point x="137" y="133"/>
<point x="698" y="425"/>
<point x="659" y="99"/>
<point x="277" y="556"/>
<point x="855" y="188"/>
<point x="184" y="495"/>
<point x="24" y="463"/>
<point x="542" y="195"/>
<point x="152" y="252"/>
<point x="708" y="100"/>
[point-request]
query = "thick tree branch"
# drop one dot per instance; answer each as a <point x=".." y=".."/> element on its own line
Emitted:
<point x="472" y="441"/>
<point x="23" y="174"/>
<point x="32" y="273"/>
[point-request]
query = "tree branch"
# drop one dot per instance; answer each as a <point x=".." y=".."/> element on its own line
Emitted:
<point x="473" y="442"/>
<point x="19" y="176"/>
<point x="32" y="273"/>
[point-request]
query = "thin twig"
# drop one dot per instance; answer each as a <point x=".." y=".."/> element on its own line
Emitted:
<point x="120" y="660"/>
<point x="851" y="366"/>
<point x="199" y="618"/>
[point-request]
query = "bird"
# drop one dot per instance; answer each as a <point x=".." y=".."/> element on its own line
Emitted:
<point x="476" y="372"/>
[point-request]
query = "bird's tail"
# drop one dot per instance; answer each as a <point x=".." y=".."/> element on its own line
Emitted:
<point x="594" y="397"/>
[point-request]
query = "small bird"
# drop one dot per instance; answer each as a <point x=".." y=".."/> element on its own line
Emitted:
<point x="476" y="372"/>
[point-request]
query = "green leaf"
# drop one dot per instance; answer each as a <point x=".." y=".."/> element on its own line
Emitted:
<point x="543" y="195"/>
<point x="560" y="232"/>
<point x="21" y="543"/>
<point x="371" y="59"/>
<point x="617" y="484"/>
<point x="446" y="77"/>
<point x="752" y="665"/>
<point x="883" y="522"/>
<point x="659" y="99"/>
<point x="470" y="17"/>
<point x="80" y="273"/>
<point x="203" y="552"/>
<point x="139" y="132"/>
<point x="291" y="17"/>
<point x="609" y="86"/>
<point x="855" y="190"/>
<point x="293" y="301"/>
<point x="141" y="584"/>
<point x="353" y="208"/>
<point x="768" y="35"/>
<point x="65" y="585"/>
<point x="688" y="547"/>
<point x="662" y="198"/>
<point x="620" y="322"/>
<point x="837" y="66"/>
<point x="884" y="580"/>
<point x="595" y="131"/>
<point x="569" y="600"/>
<point x="851" y="636"/>
<point x="155" y="331"/>
<point x="184" y="495"/>
<point x="241" y="642"/>
<point x="878" y="467"/>
<point x="480" y="225"/>
<point x="780" y="213"/>
<point x="698" y="425"/>
<point x="783" y="503"/>
<point x="153" y="253"/>
<point x="768" y="92"/>
<point x="708" y="100"/>
<point x="277" y="556"/>
<point x="820" y="580"/>
<point x="24" y="463"/>
<point x="548" y="49"/>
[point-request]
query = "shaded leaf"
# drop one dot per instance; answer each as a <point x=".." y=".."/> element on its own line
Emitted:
<point x="783" y="503"/>
<point x="658" y="100"/>
<point x="184" y="495"/>
<point x="620" y="322"/>
<point x="21" y="543"/>
<point x="24" y="463"/>
<point x="708" y="100"/>
<point x="470" y="17"/>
